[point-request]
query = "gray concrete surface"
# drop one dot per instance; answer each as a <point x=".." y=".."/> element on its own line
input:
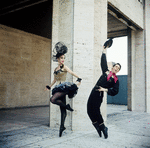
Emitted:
<point x="29" y="128"/>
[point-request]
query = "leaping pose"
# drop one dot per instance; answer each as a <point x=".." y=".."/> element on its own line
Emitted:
<point x="62" y="87"/>
<point x="108" y="82"/>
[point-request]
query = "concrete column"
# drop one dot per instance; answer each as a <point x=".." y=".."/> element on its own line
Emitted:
<point x="82" y="26"/>
<point x="138" y="72"/>
<point x="100" y="36"/>
<point x="129" y="70"/>
<point x="147" y="38"/>
<point x="62" y="30"/>
<point x="83" y="60"/>
<point x="90" y="32"/>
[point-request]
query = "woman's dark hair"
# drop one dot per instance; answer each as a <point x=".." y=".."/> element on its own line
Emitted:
<point x="117" y="64"/>
<point x="58" y="55"/>
<point x="60" y="49"/>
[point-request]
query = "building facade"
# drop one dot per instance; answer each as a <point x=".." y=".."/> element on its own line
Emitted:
<point x="84" y="25"/>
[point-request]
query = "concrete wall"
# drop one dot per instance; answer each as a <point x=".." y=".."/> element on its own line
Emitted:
<point x="88" y="41"/>
<point x="121" y="97"/>
<point x="24" y="68"/>
<point x="133" y="9"/>
<point x="83" y="59"/>
<point x="147" y="41"/>
<point x="138" y="81"/>
<point x="138" y="102"/>
<point x="100" y="36"/>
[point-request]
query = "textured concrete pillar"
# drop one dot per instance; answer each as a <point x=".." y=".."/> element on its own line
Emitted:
<point x="147" y="38"/>
<point x="138" y="102"/>
<point x="100" y="36"/>
<point x="62" y="30"/>
<point x="83" y="59"/>
<point x="129" y="80"/>
<point x="90" y="32"/>
<point x="82" y="26"/>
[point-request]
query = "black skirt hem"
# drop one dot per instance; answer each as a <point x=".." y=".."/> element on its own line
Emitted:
<point x="69" y="88"/>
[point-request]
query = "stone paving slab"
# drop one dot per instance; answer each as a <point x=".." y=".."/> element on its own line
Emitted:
<point x="126" y="130"/>
<point x="15" y="119"/>
<point x="92" y="140"/>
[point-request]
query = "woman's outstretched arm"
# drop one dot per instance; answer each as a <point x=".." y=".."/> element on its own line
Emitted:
<point x="72" y="73"/>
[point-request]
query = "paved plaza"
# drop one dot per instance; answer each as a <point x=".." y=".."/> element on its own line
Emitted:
<point x="28" y="127"/>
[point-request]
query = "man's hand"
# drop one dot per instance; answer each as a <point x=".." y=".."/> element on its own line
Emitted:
<point x="102" y="89"/>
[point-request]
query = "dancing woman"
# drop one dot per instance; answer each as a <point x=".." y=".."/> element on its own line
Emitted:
<point x="108" y="82"/>
<point x="62" y="87"/>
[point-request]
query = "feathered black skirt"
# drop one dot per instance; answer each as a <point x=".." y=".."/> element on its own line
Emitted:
<point x="70" y="88"/>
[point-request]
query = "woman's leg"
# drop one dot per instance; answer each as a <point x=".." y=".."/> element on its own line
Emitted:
<point x="63" y="117"/>
<point x="57" y="99"/>
<point x="63" y="112"/>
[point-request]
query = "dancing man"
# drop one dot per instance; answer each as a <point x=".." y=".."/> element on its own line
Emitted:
<point x="108" y="82"/>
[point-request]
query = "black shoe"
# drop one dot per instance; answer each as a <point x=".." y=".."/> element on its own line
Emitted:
<point x="108" y="43"/>
<point x="96" y="125"/>
<point x="62" y="128"/>
<point x="69" y="108"/>
<point x="104" y="129"/>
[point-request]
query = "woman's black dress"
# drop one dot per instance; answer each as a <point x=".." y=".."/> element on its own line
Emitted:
<point x="96" y="97"/>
